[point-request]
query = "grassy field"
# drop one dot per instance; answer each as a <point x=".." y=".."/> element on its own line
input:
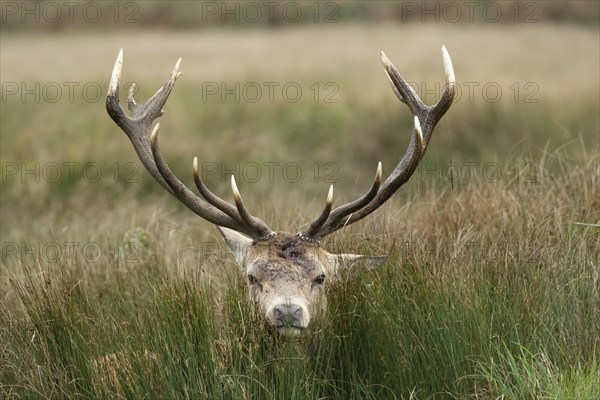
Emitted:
<point x="110" y="289"/>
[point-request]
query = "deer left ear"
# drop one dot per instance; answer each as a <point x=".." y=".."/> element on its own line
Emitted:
<point x="237" y="243"/>
<point x="339" y="262"/>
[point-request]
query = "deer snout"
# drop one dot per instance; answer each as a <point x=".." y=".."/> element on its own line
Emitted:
<point x="289" y="319"/>
<point x="288" y="314"/>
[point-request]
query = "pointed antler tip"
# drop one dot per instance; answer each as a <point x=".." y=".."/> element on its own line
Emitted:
<point x="154" y="134"/>
<point x="330" y="195"/>
<point x="113" y="86"/>
<point x="378" y="172"/>
<point x="176" y="73"/>
<point x="417" y="124"/>
<point x="119" y="59"/>
<point x="131" y="94"/>
<point x="234" y="189"/>
<point x="450" y="78"/>
<point x="419" y="131"/>
<point x="195" y="165"/>
<point x="386" y="61"/>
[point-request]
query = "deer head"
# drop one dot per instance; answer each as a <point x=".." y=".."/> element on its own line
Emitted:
<point x="286" y="272"/>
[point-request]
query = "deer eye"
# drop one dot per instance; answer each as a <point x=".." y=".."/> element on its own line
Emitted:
<point x="252" y="280"/>
<point x="320" y="279"/>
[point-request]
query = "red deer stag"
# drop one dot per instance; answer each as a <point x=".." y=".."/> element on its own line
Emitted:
<point x="286" y="272"/>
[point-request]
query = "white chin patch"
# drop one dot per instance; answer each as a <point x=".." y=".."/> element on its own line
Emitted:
<point x="290" y="331"/>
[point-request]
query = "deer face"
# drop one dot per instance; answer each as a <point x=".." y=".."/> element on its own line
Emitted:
<point x="287" y="276"/>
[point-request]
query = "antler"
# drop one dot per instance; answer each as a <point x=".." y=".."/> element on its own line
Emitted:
<point x="425" y="120"/>
<point x="222" y="213"/>
<point x="137" y="126"/>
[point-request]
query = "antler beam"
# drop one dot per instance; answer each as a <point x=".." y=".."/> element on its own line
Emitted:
<point x="137" y="127"/>
<point x="222" y="213"/>
<point x="425" y="120"/>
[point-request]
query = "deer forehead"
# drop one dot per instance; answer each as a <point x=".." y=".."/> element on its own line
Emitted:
<point x="285" y="256"/>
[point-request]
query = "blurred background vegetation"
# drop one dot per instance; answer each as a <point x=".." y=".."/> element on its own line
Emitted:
<point x="527" y="74"/>
<point x="273" y="14"/>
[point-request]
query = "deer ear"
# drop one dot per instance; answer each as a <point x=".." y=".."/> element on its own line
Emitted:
<point x="340" y="262"/>
<point x="237" y="243"/>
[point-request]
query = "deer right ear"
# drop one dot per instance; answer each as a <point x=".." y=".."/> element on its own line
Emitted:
<point x="237" y="243"/>
<point x="339" y="262"/>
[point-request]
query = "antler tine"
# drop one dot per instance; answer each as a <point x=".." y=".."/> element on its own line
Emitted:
<point x="256" y="224"/>
<point x="210" y="196"/>
<point x="234" y="212"/>
<point x="448" y="69"/>
<point x="311" y="231"/>
<point x="187" y="197"/>
<point x="347" y="209"/>
<point x="137" y="127"/>
<point x="403" y="91"/>
<point x="425" y="120"/>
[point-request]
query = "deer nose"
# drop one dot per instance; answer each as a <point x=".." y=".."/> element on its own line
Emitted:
<point x="287" y="314"/>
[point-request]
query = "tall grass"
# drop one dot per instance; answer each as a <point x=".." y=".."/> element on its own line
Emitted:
<point x="514" y="313"/>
